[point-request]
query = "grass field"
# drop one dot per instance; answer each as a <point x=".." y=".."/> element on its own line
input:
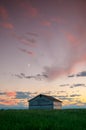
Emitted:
<point x="74" y="119"/>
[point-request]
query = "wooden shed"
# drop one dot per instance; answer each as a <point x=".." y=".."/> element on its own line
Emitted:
<point x="44" y="102"/>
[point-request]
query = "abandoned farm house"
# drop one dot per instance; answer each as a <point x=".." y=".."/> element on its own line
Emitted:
<point x="44" y="102"/>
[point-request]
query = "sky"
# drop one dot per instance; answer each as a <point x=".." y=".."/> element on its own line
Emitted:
<point x="42" y="50"/>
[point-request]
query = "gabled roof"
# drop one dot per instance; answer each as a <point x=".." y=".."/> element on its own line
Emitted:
<point x="49" y="97"/>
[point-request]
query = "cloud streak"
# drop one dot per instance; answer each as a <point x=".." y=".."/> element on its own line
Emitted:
<point x="81" y="74"/>
<point x="77" y="85"/>
<point x="14" y="99"/>
<point x="24" y="40"/>
<point x="27" y="52"/>
<point x="46" y="23"/>
<point x="3" y="13"/>
<point x="36" y="77"/>
<point x="69" y="55"/>
<point x="7" y="25"/>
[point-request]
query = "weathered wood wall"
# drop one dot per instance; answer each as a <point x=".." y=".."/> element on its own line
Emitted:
<point x="57" y="105"/>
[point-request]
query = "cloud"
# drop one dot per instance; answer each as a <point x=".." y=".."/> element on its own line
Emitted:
<point x="11" y="94"/>
<point x="2" y="93"/>
<point x="19" y="76"/>
<point x="3" y="13"/>
<point x="8" y="94"/>
<point x="36" y="77"/>
<point x="81" y="74"/>
<point x="27" y="52"/>
<point x="77" y="85"/>
<point x="26" y="41"/>
<point x="71" y="38"/>
<point x="66" y="56"/>
<point x="46" y="23"/>
<point x="75" y="95"/>
<point x="29" y="10"/>
<point x="53" y="72"/>
<point x="22" y="95"/>
<point x="8" y="102"/>
<point x="14" y="99"/>
<point x="64" y="98"/>
<point x="71" y="76"/>
<point x="63" y="85"/>
<point x="7" y="25"/>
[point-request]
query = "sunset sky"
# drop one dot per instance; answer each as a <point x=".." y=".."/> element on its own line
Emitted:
<point x="42" y="50"/>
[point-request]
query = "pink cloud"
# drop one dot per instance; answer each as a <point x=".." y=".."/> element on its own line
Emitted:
<point x="3" y="12"/>
<point x="24" y="40"/>
<point x="71" y="38"/>
<point x="7" y="25"/>
<point x="46" y="23"/>
<point x="8" y="102"/>
<point x="74" y="51"/>
<point x="29" y="9"/>
<point x="33" y="11"/>
<point x="27" y="52"/>
<point x="11" y="94"/>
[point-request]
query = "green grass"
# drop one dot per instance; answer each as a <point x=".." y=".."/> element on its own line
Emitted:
<point x="74" y="119"/>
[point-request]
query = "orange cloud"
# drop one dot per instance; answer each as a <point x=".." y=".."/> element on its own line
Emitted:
<point x="3" y="12"/>
<point x="8" y="102"/>
<point x="11" y="94"/>
<point x="7" y="25"/>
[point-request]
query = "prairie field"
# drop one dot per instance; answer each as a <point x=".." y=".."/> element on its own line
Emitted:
<point x="70" y="119"/>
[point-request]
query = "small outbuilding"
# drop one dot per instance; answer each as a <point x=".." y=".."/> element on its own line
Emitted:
<point x="44" y="102"/>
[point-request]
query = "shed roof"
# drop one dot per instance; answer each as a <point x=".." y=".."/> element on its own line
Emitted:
<point x="49" y="97"/>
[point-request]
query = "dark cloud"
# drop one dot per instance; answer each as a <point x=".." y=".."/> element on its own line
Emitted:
<point x="64" y="97"/>
<point x="63" y="85"/>
<point x="36" y="77"/>
<point x="25" y="40"/>
<point x="75" y="95"/>
<point x="2" y="93"/>
<point x="61" y="96"/>
<point x="77" y="85"/>
<point x="70" y="76"/>
<point x="19" y="76"/>
<point x="81" y="74"/>
<point x="27" y="52"/>
<point x="16" y="95"/>
<point x="22" y="95"/>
